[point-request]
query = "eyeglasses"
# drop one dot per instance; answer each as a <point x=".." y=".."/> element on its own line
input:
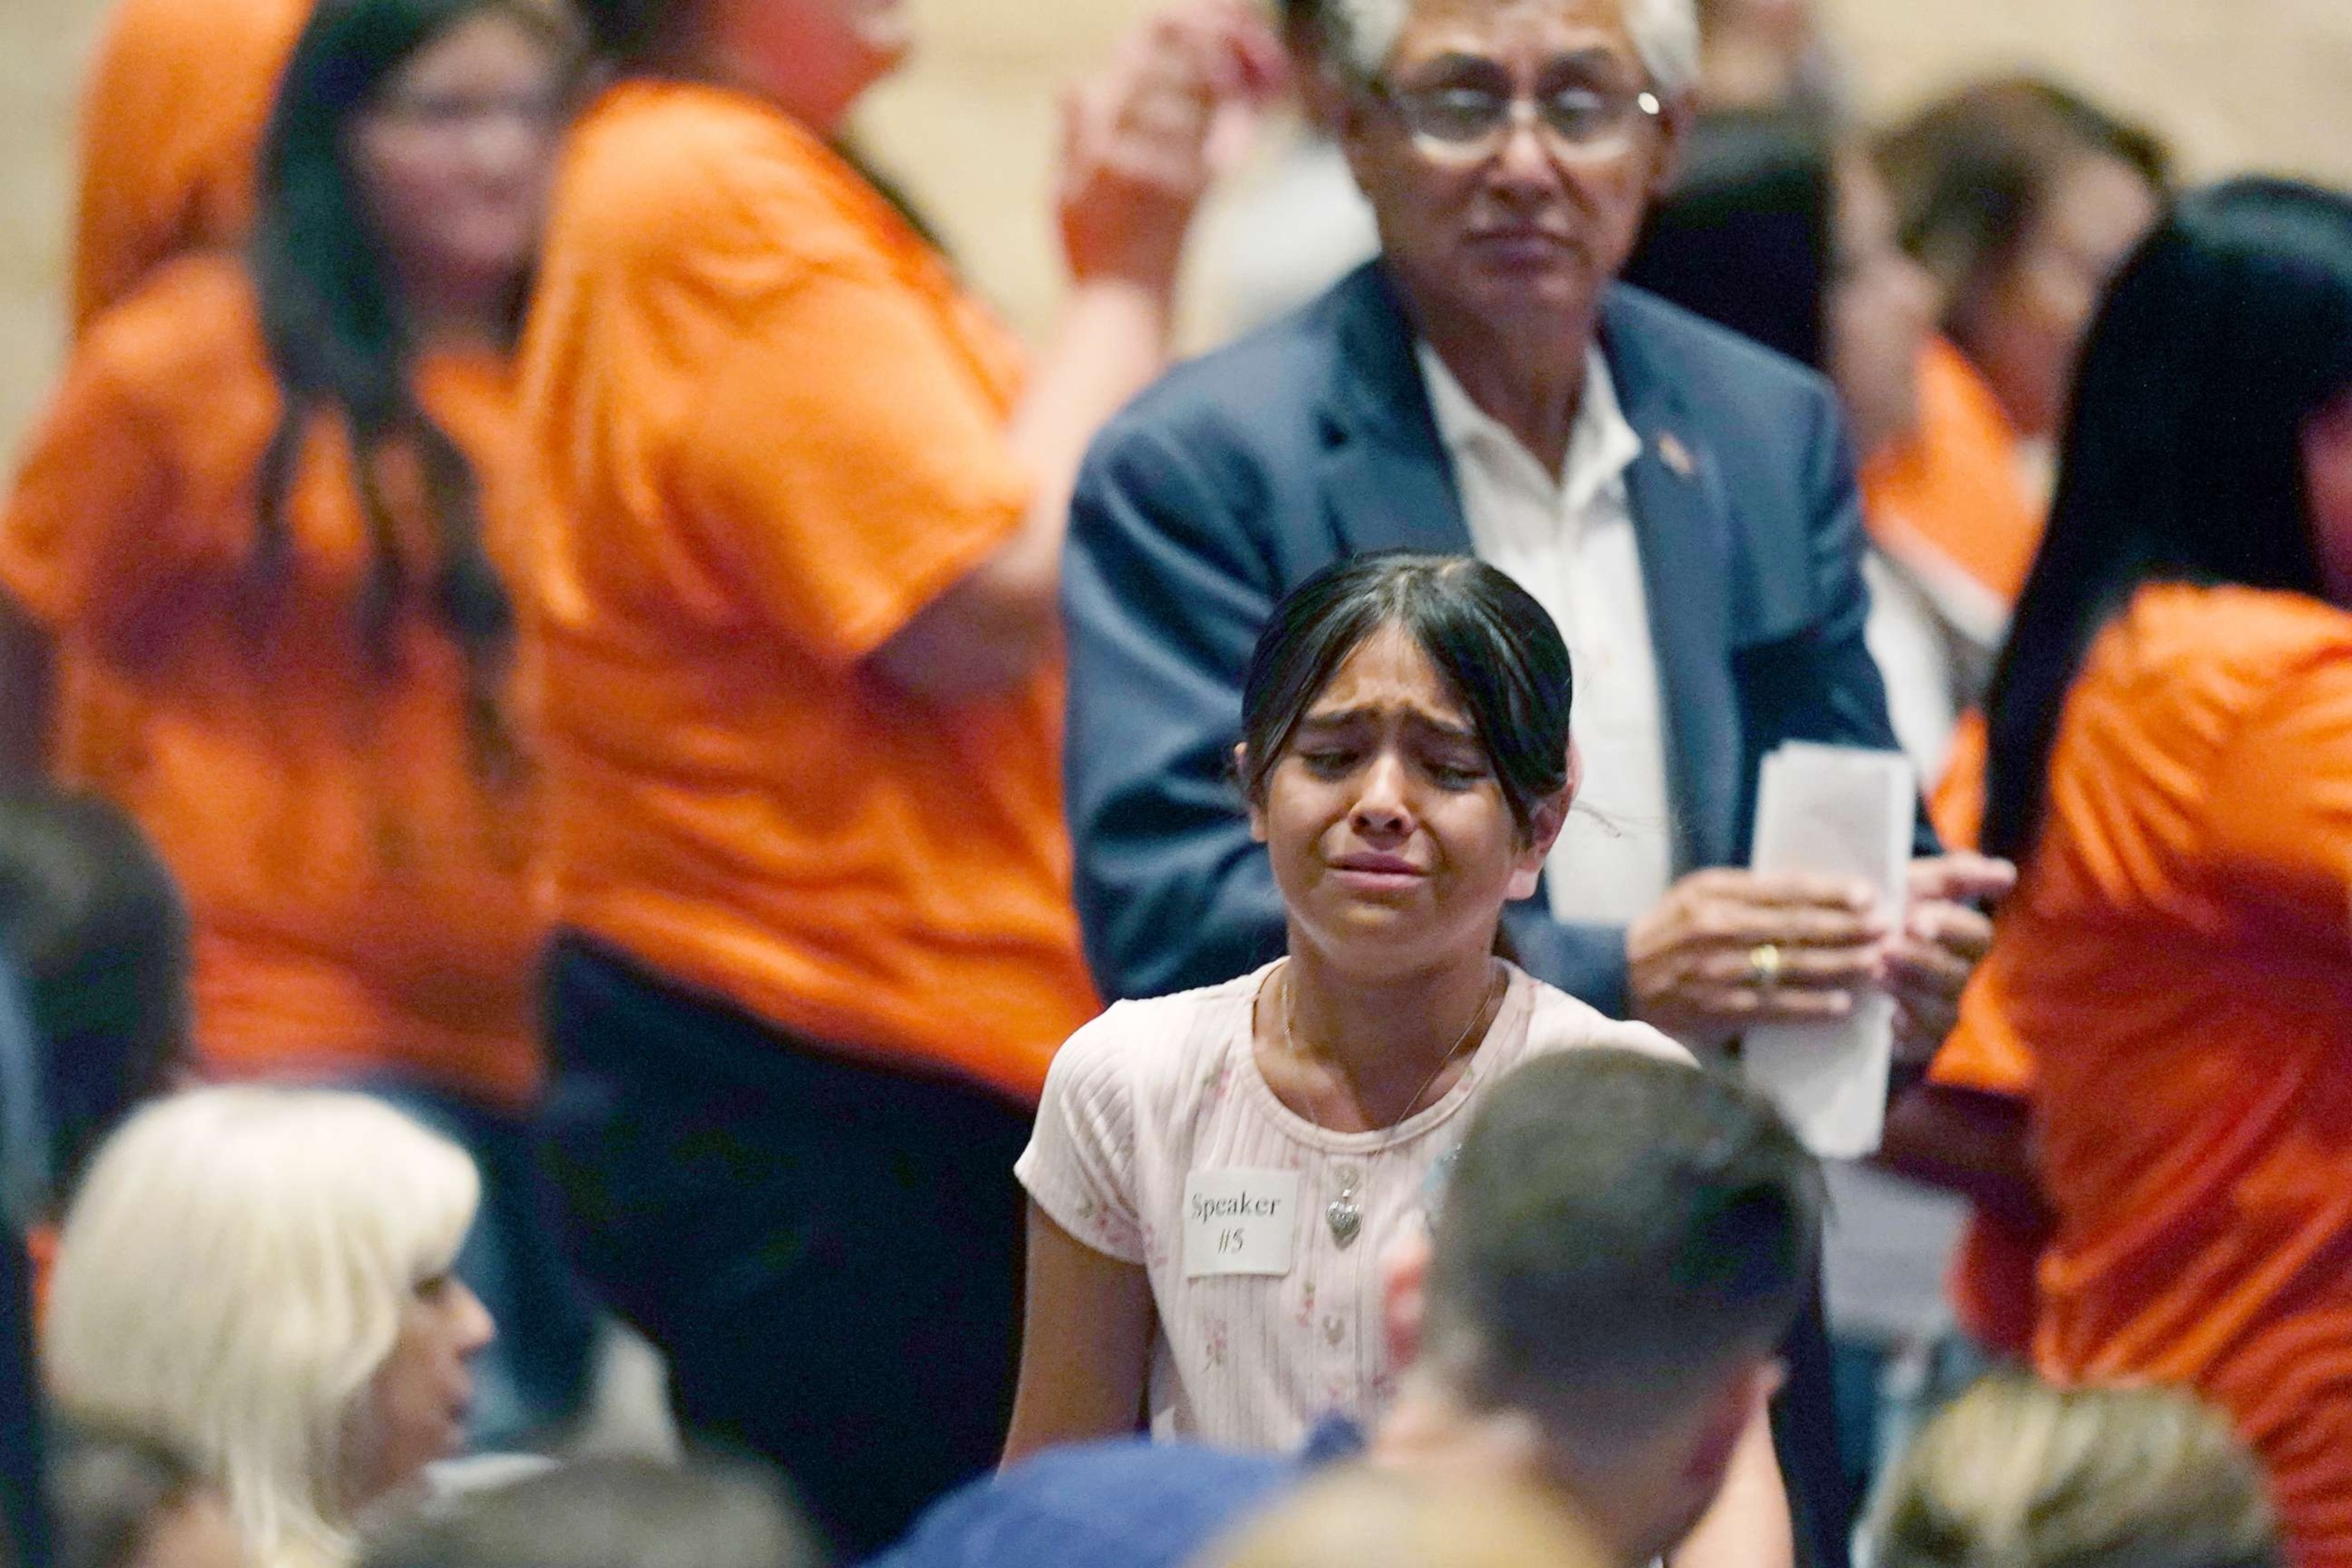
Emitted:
<point x="1457" y="123"/>
<point x="540" y="112"/>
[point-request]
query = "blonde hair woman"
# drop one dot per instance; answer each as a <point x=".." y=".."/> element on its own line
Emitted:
<point x="2016" y="1473"/>
<point x="261" y="1276"/>
<point x="1367" y="1519"/>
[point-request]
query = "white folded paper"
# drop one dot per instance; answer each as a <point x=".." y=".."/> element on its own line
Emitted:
<point x="1842" y="812"/>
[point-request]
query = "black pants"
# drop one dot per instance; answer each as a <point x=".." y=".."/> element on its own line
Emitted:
<point x="828" y="1252"/>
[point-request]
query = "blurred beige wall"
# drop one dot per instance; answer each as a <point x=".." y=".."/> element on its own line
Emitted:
<point x="969" y="125"/>
<point x="42" y="46"/>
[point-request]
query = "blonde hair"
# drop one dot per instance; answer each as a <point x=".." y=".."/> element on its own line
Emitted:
<point x="2016" y="1473"/>
<point x="1372" y="1518"/>
<point x="230" y="1279"/>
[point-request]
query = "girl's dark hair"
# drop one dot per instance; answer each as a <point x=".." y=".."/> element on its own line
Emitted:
<point x="1494" y="648"/>
<point x="1970" y="172"/>
<point x="2226" y="331"/>
<point x="96" y="931"/>
<point x="338" y="340"/>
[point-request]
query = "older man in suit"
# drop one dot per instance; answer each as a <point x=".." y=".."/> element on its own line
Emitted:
<point x="1681" y="501"/>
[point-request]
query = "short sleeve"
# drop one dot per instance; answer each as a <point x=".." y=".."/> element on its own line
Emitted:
<point x="2280" y="807"/>
<point x="80" y="536"/>
<point x="1079" y="1166"/>
<point x="849" y="459"/>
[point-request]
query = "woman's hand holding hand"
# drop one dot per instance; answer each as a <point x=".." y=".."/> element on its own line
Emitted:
<point x="1142" y="139"/>
<point x="1725" y="950"/>
<point x="1943" y="940"/>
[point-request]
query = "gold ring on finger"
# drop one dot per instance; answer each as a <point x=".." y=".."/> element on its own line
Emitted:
<point x="1764" y="965"/>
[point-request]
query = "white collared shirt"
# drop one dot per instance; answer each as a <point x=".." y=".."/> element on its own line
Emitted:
<point x="1570" y="543"/>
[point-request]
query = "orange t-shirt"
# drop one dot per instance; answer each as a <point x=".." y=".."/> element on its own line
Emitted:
<point x="1948" y="503"/>
<point x="1948" y="506"/>
<point x="357" y="886"/>
<point x="41" y="1253"/>
<point x="172" y="120"/>
<point x="1992" y="1279"/>
<point x="772" y="428"/>
<point x="2177" y="965"/>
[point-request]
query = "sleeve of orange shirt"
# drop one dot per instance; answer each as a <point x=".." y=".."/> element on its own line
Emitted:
<point x="848" y="461"/>
<point x="2281" y="806"/>
<point x="1984" y="1052"/>
<point x="80" y="542"/>
<point x="171" y="117"/>
<point x="1956" y="804"/>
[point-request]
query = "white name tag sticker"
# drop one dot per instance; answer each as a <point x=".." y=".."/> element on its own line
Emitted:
<point x="1239" y="1222"/>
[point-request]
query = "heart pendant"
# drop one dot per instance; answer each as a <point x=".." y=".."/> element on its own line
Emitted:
<point x="1345" y="1220"/>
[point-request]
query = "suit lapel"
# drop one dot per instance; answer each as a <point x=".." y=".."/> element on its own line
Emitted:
<point x="1388" y="483"/>
<point x="1680" y="520"/>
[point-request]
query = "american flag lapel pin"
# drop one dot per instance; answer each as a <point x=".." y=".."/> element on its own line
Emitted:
<point x="1676" y="456"/>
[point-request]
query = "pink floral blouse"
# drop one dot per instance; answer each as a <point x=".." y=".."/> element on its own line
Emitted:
<point x="1160" y="1143"/>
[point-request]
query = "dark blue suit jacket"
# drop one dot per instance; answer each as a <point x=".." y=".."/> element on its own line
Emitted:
<point x="1242" y="473"/>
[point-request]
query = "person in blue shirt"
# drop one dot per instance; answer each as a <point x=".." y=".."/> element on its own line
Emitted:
<point x="1594" y="1309"/>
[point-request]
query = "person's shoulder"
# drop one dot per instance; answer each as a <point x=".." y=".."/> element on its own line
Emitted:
<point x="1559" y="1022"/>
<point x="2208" y="652"/>
<point x="637" y="126"/>
<point x="1707" y="362"/>
<point x="658" y="168"/>
<point x="2254" y="628"/>
<point x="1265" y="389"/>
<point x="1125" y="1504"/>
<point x="1143" y="1050"/>
<point x="144" y="38"/>
<point x="191" y="329"/>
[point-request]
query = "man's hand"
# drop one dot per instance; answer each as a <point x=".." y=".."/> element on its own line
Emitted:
<point x="1726" y="950"/>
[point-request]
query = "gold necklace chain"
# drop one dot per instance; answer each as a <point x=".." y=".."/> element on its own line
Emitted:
<point x="1290" y="1040"/>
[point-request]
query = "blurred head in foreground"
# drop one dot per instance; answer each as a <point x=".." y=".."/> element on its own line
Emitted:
<point x="2016" y="1473"/>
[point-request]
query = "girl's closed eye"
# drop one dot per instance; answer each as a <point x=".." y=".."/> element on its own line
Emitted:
<point x="1453" y="771"/>
<point x="1328" y="761"/>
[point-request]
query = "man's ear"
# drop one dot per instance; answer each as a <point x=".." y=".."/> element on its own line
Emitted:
<point x="1319" y="79"/>
<point x="1404" y="1287"/>
<point x="1675" y="116"/>
<point x="1716" y="1438"/>
<point x="1257" y="812"/>
<point x="1544" y="827"/>
<point x="1350" y="114"/>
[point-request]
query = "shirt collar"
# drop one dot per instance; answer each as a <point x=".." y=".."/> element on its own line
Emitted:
<point x="1600" y="447"/>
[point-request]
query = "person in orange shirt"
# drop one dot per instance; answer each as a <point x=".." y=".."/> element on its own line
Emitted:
<point x="795" y="636"/>
<point x="2022" y="197"/>
<point x="1774" y="230"/>
<point x="171" y="120"/>
<point x="264" y="532"/>
<point x="2171" y="763"/>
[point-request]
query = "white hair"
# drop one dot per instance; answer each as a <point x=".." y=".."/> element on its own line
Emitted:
<point x="230" y="1279"/>
<point x="1364" y="33"/>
